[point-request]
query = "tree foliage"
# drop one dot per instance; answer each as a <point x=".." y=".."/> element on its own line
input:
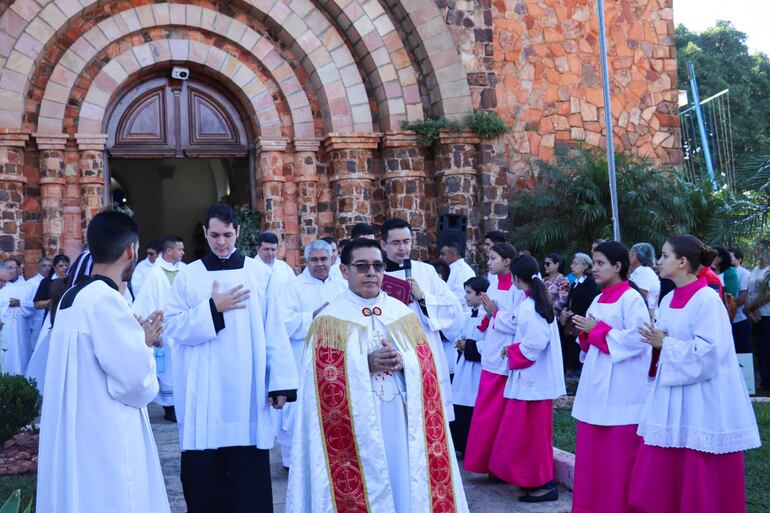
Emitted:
<point x="569" y="204"/>
<point x="722" y="60"/>
<point x="249" y="223"/>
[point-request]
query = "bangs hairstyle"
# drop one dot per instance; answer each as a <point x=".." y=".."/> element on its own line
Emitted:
<point x="694" y="250"/>
<point x="224" y="213"/>
<point x="526" y="269"/>
<point x="505" y="250"/>
<point x="615" y="253"/>
<point x="347" y="253"/>
<point x="477" y="284"/>
<point x="109" y="234"/>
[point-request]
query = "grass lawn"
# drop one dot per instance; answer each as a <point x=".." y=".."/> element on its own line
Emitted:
<point x="25" y="482"/>
<point x="757" y="461"/>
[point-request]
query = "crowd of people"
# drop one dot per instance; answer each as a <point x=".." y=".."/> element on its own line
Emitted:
<point x="379" y="375"/>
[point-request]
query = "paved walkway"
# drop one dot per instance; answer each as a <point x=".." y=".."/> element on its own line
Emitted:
<point x="483" y="495"/>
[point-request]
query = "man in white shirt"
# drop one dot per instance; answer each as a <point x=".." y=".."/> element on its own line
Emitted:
<point x="154" y="296"/>
<point x="741" y="323"/>
<point x="281" y="273"/>
<point x="153" y="249"/>
<point x="34" y="315"/>
<point x="304" y="297"/>
<point x="334" y="270"/>
<point x="451" y="253"/>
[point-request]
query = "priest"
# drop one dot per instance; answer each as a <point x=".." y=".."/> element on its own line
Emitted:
<point x="281" y="272"/>
<point x="15" y="328"/>
<point x="97" y="451"/>
<point x="153" y="249"/>
<point x="153" y="296"/>
<point x="34" y="315"/>
<point x="431" y="298"/>
<point x="232" y="363"/>
<point x="304" y="297"/>
<point x="371" y="433"/>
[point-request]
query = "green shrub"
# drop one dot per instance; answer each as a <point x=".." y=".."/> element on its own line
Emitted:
<point x="488" y="125"/>
<point x="429" y="129"/>
<point x="19" y="404"/>
<point x="249" y="221"/>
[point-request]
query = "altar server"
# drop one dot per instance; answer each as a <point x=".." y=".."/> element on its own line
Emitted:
<point x="523" y="450"/>
<point x="500" y="303"/>
<point x="698" y="419"/>
<point x="431" y="299"/>
<point x="232" y="362"/>
<point x="613" y="386"/>
<point x="469" y="346"/>
<point x="301" y="301"/>
<point x="97" y="451"/>
<point x="371" y="433"/>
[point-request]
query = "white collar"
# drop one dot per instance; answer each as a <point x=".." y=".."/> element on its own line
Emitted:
<point x="360" y="301"/>
<point x="309" y="278"/>
<point x="457" y="263"/>
<point x="165" y="264"/>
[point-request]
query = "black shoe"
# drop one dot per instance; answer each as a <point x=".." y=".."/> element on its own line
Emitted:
<point x="551" y="495"/>
<point x="169" y="413"/>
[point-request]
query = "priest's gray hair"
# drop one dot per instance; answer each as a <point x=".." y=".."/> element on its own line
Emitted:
<point x="645" y="253"/>
<point x="317" y="245"/>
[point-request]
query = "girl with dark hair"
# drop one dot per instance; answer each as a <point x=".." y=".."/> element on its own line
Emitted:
<point x="698" y="418"/>
<point x="555" y="282"/>
<point x="500" y="303"/>
<point x="613" y="386"/>
<point x="712" y="280"/>
<point x="723" y="267"/>
<point x="523" y="448"/>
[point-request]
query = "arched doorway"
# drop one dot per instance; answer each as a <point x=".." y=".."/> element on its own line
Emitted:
<point x="175" y="147"/>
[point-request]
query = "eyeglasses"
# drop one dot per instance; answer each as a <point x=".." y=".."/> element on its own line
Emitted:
<point x="363" y="267"/>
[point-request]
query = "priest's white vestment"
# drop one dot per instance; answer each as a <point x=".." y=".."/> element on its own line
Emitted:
<point x="153" y="296"/>
<point x="15" y="330"/>
<point x="371" y="442"/>
<point x="34" y="316"/>
<point x="442" y="309"/>
<point x="97" y="451"/>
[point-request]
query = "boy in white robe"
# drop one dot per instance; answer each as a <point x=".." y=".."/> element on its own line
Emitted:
<point x="97" y="451"/>
<point x="432" y="299"/>
<point x="153" y="296"/>
<point x="371" y="432"/>
<point x="232" y="362"/>
<point x="304" y="297"/>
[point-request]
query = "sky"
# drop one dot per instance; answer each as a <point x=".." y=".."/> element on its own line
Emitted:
<point x="748" y="16"/>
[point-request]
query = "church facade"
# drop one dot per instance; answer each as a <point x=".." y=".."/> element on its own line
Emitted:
<point x="304" y="101"/>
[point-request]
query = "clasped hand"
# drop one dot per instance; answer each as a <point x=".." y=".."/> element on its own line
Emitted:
<point x="489" y="304"/>
<point x="153" y="328"/>
<point x="652" y="335"/>
<point x="385" y="359"/>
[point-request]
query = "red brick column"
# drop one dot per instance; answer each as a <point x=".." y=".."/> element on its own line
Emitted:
<point x="350" y="168"/>
<point x="90" y="176"/>
<point x="271" y="179"/>
<point x="457" y="180"/>
<point x="404" y="183"/>
<point x="52" y="184"/>
<point x="306" y="181"/>
<point x="12" y="182"/>
<point x="494" y="188"/>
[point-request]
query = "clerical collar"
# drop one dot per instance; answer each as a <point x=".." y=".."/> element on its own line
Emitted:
<point x="361" y="301"/>
<point x="391" y="266"/>
<point x="612" y="293"/>
<point x="683" y="294"/>
<point x="213" y="263"/>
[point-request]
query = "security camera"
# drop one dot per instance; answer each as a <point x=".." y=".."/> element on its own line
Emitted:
<point x="180" y="73"/>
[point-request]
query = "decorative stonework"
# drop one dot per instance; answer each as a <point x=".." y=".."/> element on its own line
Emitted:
<point x="52" y="184"/>
<point x="12" y="182"/>
<point x="91" y="175"/>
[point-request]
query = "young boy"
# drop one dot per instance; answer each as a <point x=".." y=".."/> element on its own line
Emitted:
<point x="465" y="385"/>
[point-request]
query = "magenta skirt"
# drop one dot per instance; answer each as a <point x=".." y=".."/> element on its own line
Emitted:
<point x="604" y="458"/>
<point x="673" y="480"/>
<point x="523" y="449"/>
<point x="487" y="413"/>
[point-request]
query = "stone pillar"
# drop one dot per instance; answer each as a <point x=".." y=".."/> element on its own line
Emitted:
<point x="350" y="168"/>
<point x="404" y="183"/>
<point x="12" y="182"/>
<point x="457" y="180"/>
<point x="52" y="183"/>
<point x="270" y="180"/>
<point x="306" y="180"/>
<point x="494" y="187"/>
<point x="90" y="176"/>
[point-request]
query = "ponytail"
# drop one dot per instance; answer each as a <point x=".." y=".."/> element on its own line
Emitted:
<point x="526" y="269"/>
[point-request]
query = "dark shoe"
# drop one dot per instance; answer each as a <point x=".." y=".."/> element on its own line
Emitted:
<point x="550" y="495"/>
<point x="169" y="413"/>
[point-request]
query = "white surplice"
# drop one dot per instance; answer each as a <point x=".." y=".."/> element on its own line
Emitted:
<point x="465" y="385"/>
<point x="33" y="315"/>
<point x="141" y="271"/>
<point x="443" y="309"/>
<point x="16" y="336"/>
<point x="97" y="451"/>
<point x="502" y="327"/>
<point x="303" y="296"/>
<point x="459" y="273"/>
<point x="385" y="412"/>
<point x="153" y="296"/>
<point x="222" y="376"/>
<point x="281" y="273"/>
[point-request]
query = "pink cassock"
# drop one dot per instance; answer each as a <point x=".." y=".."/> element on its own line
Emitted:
<point x="679" y="480"/>
<point x="604" y="458"/>
<point x="489" y="409"/>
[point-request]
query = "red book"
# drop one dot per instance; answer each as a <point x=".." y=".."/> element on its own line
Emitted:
<point x="397" y="288"/>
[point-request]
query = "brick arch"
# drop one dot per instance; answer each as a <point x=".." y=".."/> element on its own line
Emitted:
<point x="106" y="32"/>
<point x="344" y="104"/>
